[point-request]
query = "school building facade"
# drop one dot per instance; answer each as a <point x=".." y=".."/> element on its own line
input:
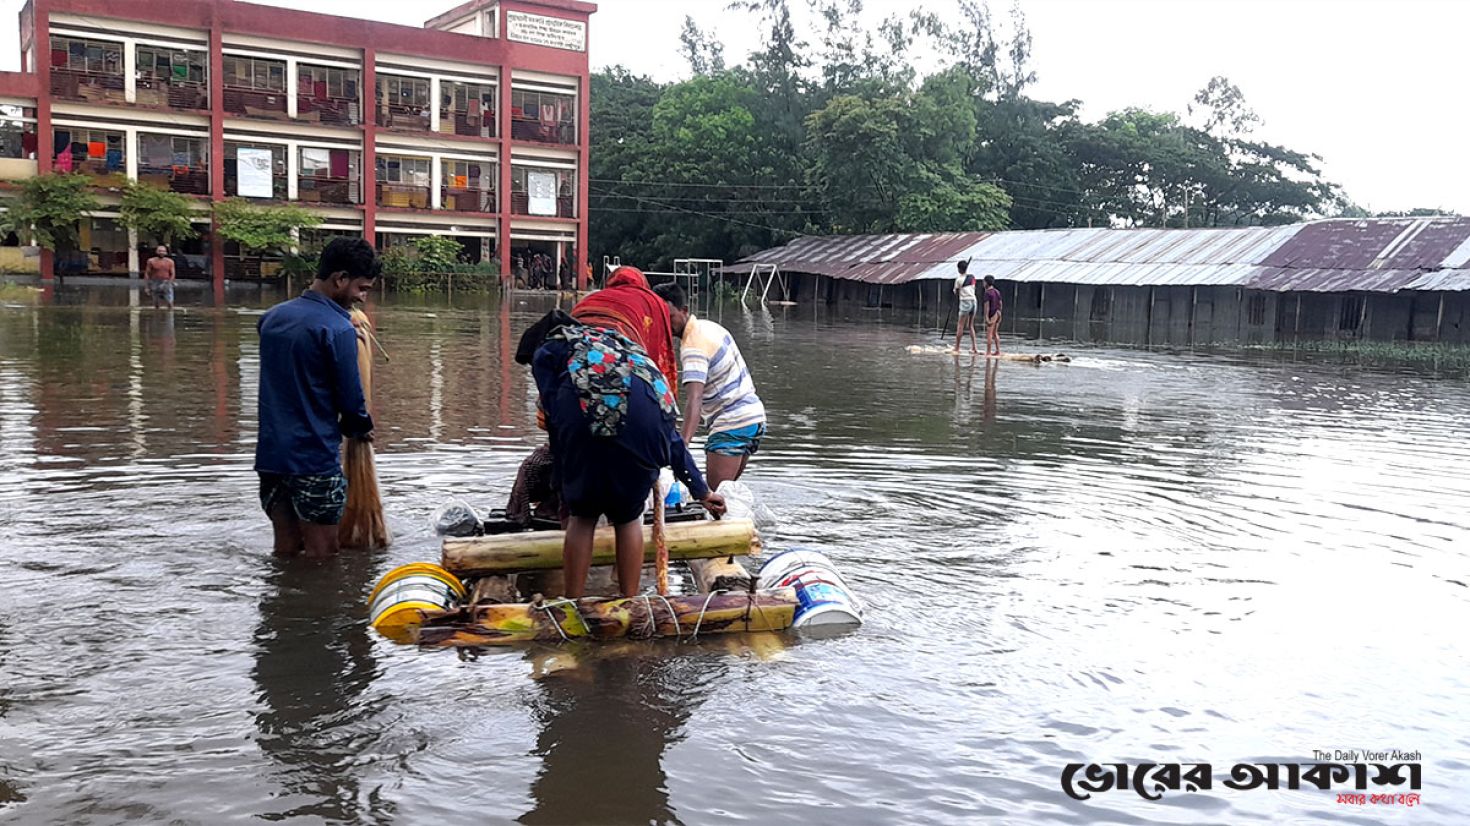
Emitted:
<point x="473" y="127"/>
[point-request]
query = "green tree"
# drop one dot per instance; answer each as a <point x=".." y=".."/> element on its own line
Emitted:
<point x="948" y="203"/>
<point x="157" y="214"/>
<point x="261" y="228"/>
<point x="49" y="208"/>
<point x="437" y="253"/>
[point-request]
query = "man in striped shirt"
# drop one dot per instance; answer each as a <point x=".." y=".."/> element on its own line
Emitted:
<point x="718" y="388"/>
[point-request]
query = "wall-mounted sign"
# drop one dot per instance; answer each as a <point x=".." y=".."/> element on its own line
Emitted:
<point x="541" y="189"/>
<point x="539" y="30"/>
<point x="253" y="179"/>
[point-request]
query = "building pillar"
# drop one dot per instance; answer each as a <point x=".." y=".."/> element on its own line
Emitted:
<point x="130" y="153"/>
<point x="584" y="175"/>
<point x="216" y="150"/>
<point x="436" y="182"/>
<point x="133" y="268"/>
<point x="292" y="72"/>
<point x="130" y="70"/>
<point x="502" y="195"/>
<point x="369" y="171"/>
<point x="434" y="104"/>
<point x="45" y="137"/>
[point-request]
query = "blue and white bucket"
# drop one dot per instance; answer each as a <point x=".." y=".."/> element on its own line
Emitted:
<point x="823" y="598"/>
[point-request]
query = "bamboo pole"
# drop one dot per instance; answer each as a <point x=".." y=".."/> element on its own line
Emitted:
<point x="719" y="574"/>
<point x="605" y="619"/>
<point x="660" y="544"/>
<point x="540" y="550"/>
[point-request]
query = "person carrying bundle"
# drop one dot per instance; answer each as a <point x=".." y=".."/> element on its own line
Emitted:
<point x="612" y="422"/>
<point x="310" y="396"/>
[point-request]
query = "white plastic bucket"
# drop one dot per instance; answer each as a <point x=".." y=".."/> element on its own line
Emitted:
<point x="398" y="603"/>
<point x="823" y="598"/>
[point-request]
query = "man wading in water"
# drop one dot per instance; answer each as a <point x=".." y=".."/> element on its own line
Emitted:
<point x="160" y="274"/>
<point x="310" y="395"/>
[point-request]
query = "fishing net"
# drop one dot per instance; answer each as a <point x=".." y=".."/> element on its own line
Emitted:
<point x="363" y="525"/>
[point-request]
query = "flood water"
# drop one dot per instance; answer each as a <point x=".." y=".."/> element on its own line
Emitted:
<point x="1137" y="557"/>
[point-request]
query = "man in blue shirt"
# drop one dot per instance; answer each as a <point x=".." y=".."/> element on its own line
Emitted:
<point x="310" y="396"/>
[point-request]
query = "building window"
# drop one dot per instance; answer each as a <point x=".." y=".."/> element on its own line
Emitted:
<point x="1102" y="303"/>
<point x="403" y="103"/>
<point x="1352" y="313"/>
<point x="467" y="109"/>
<point x="17" y="132"/>
<point x="87" y="70"/>
<point x="174" y="162"/>
<point x="543" y="117"/>
<point x="469" y="186"/>
<point x="174" y="78"/>
<point x="1256" y="310"/>
<point x="329" y="176"/>
<point x="254" y="86"/>
<point x="328" y="95"/>
<point x="89" y="151"/>
<point x="254" y="153"/>
<point x="404" y="182"/>
<point x="544" y="191"/>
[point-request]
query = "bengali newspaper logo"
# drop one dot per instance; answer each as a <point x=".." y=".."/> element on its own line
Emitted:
<point x="1393" y="783"/>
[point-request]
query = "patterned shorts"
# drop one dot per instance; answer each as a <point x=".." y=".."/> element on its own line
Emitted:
<point x="315" y="499"/>
<point x="967" y="306"/>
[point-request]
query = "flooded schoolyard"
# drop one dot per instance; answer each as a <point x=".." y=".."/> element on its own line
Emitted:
<point x="1135" y="557"/>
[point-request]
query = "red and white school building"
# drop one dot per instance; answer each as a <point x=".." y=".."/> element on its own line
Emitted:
<point x="472" y="127"/>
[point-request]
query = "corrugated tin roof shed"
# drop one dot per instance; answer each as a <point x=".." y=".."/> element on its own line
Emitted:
<point x="1377" y="254"/>
<point x="875" y="259"/>
<point x="1125" y="257"/>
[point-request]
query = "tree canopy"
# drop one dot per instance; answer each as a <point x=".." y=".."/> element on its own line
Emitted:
<point x="829" y="129"/>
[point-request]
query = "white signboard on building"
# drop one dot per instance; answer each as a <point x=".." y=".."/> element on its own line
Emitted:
<point x="541" y="187"/>
<point x="539" y="30"/>
<point x="253" y="178"/>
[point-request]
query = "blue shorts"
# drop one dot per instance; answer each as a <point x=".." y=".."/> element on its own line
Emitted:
<point x="743" y="442"/>
<point x="315" y="499"/>
<point x="967" y="306"/>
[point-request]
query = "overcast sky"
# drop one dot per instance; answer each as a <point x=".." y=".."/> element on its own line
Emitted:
<point x="1366" y="84"/>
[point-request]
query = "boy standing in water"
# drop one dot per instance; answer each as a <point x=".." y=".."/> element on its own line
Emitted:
<point x="718" y="387"/>
<point x="992" y="316"/>
<point x="964" y="288"/>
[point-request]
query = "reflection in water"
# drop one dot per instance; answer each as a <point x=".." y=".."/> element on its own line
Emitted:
<point x="605" y="726"/>
<point x="313" y="661"/>
<point x="988" y="407"/>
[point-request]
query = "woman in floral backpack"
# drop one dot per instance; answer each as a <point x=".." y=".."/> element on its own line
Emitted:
<point x="613" y="423"/>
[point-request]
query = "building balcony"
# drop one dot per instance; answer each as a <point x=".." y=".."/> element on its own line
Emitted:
<point x="404" y="117"/>
<point x="470" y="126"/>
<point x="253" y="103"/>
<point x="560" y="133"/>
<point x="326" y="190"/>
<point x="93" y="87"/>
<point x="329" y="110"/>
<point x="403" y="196"/>
<point x="188" y="180"/>
<point x="457" y="199"/>
<point x="172" y="94"/>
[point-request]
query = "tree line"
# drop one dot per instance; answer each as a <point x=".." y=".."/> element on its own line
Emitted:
<point x="828" y="128"/>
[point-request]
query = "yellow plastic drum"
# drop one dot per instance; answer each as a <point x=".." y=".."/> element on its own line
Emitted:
<point x="404" y="593"/>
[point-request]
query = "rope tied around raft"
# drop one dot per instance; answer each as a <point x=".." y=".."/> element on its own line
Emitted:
<point x="547" y="606"/>
<point x="673" y="615"/>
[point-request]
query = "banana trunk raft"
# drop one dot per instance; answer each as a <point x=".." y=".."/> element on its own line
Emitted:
<point x="474" y="600"/>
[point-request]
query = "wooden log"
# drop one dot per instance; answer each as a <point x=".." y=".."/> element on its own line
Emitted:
<point x="540" y="550"/>
<point x="494" y="589"/>
<point x="719" y="574"/>
<point x="605" y="619"/>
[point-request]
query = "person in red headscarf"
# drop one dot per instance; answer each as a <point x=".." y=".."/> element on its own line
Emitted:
<point x="627" y="304"/>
